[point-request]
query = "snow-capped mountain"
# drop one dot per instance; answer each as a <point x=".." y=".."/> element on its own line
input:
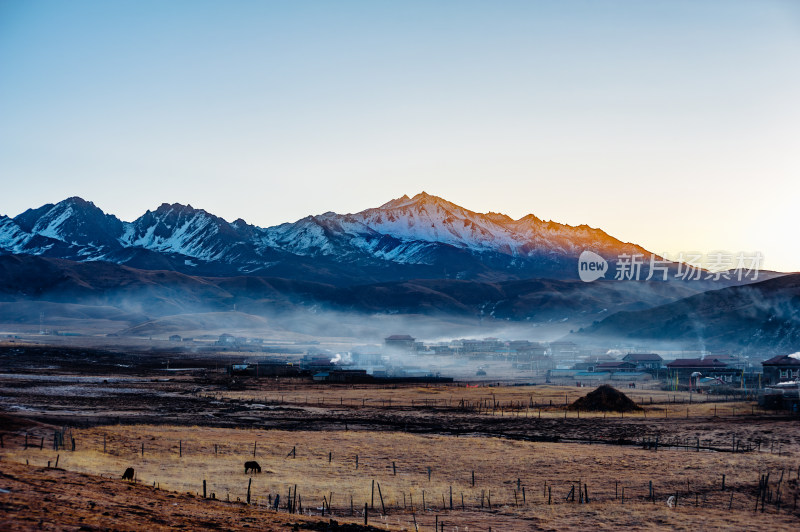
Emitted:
<point x="76" y="223"/>
<point x="415" y="223"/>
<point x="424" y="236"/>
<point x="183" y="230"/>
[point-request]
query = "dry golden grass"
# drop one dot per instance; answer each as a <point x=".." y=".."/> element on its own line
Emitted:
<point x="543" y="401"/>
<point x="34" y="498"/>
<point x="498" y="463"/>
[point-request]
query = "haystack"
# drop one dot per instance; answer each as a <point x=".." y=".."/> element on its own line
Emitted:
<point x="605" y="399"/>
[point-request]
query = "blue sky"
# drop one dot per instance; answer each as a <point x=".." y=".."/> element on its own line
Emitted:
<point x="675" y="125"/>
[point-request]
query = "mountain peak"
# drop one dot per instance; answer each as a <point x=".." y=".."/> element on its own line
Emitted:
<point x="74" y="221"/>
<point x="424" y="197"/>
<point x="78" y="201"/>
<point x="178" y="207"/>
<point x="499" y="217"/>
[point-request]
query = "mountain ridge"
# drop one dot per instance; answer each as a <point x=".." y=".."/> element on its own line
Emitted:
<point x="407" y="237"/>
<point x="764" y="314"/>
<point x="159" y="293"/>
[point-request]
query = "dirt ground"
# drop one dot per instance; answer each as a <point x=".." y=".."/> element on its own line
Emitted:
<point x="35" y="498"/>
<point x="526" y="449"/>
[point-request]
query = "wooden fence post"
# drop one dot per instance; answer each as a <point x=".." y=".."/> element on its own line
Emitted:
<point x="383" y="508"/>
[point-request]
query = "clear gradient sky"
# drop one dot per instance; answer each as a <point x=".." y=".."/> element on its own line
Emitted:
<point x="672" y="124"/>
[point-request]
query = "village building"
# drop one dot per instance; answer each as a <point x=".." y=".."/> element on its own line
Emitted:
<point x="614" y="367"/>
<point x="645" y="361"/>
<point x="399" y="342"/>
<point x="686" y="369"/>
<point x="781" y="368"/>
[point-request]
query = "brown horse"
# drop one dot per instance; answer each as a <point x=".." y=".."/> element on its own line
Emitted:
<point x="128" y="474"/>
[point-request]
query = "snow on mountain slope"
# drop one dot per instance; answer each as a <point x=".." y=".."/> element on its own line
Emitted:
<point x="50" y="224"/>
<point x="12" y="237"/>
<point x="432" y="219"/>
<point x="316" y="235"/>
<point x="346" y="239"/>
<point x="175" y="229"/>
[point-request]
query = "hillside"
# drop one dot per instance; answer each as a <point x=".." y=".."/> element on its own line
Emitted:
<point x="131" y="293"/>
<point x="763" y="316"/>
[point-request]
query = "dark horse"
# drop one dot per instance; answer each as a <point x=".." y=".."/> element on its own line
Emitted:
<point x="128" y="474"/>
<point x="253" y="466"/>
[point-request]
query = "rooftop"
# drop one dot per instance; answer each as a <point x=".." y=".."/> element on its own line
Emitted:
<point x="618" y="364"/>
<point x="782" y="360"/>
<point x="643" y="357"/>
<point x="696" y="363"/>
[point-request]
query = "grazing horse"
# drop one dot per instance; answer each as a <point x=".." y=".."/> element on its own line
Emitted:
<point x="128" y="474"/>
<point x="253" y="466"/>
